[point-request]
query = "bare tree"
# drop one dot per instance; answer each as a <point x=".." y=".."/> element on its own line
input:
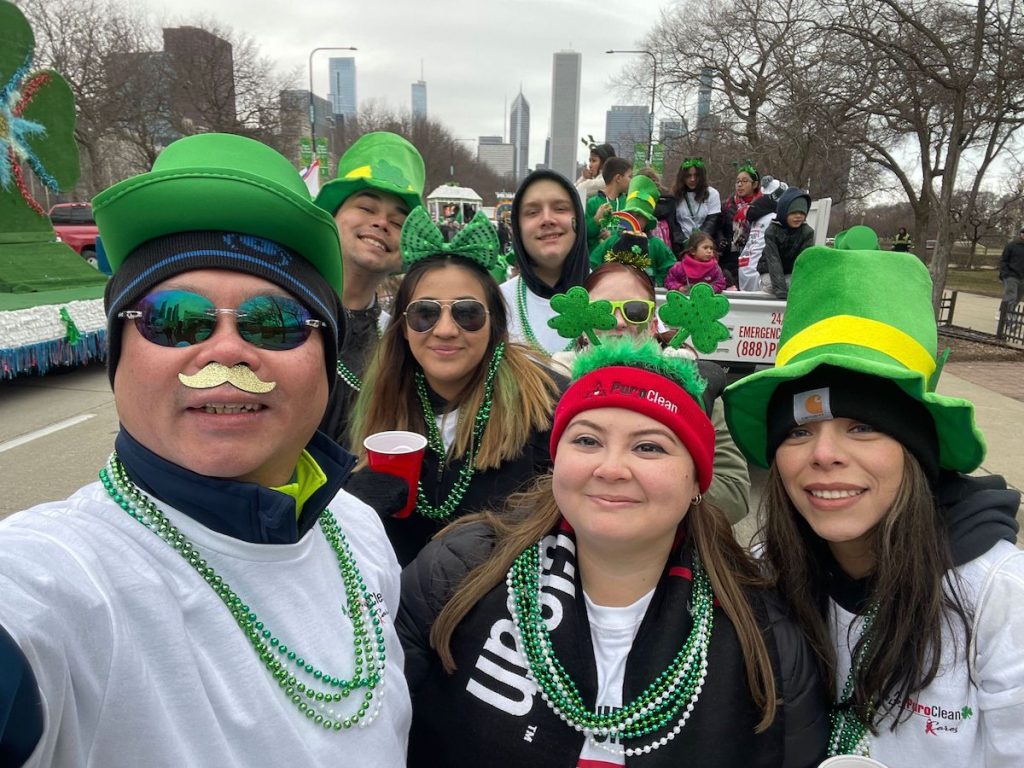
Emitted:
<point x="928" y="84"/>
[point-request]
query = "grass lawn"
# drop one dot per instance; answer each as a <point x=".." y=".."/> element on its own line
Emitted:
<point x="982" y="281"/>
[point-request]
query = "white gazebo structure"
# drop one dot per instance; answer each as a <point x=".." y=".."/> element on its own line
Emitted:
<point x="448" y="195"/>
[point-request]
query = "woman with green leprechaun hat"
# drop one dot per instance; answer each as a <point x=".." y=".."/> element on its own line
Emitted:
<point x="445" y="368"/>
<point x="901" y="570"/>
<point x="608" y="616"/>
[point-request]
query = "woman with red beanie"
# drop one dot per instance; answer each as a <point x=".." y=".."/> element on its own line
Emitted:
<point x="608" y="616"/>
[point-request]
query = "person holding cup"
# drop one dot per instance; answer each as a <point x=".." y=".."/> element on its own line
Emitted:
<point x="901" y="569"/>
<point x="445" y="369"/>
<point x="608" y="616"/>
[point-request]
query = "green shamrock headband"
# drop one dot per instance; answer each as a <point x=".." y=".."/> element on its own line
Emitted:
<point x="697" y="316"/>
<point x="747" y="166"/>
<point x="693" y="162"/>
<point x="421" y="239"/>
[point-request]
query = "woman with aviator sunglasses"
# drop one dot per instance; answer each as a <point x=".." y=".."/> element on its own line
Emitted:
<point x="445" y="368"/>
<point x="632" y="297"/>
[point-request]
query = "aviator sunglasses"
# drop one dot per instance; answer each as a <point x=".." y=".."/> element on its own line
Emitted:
<point x="177" y="318"/>
<point x="635" y="311"/>
<point x="423" y="314"/>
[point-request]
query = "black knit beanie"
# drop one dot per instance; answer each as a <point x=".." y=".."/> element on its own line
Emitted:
<point x="156" y="260"/>
<point x="873" y="400"/>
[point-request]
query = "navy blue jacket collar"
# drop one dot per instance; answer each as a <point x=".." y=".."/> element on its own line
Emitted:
<point x="245" y="511"/>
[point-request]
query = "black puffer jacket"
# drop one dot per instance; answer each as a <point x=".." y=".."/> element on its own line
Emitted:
<point x="501" y="719"/>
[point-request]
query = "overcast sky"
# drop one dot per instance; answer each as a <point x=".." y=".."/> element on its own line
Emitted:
<point x="475" y="55"/>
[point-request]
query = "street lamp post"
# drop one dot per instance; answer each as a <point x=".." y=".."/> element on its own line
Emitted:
<point x="312" y="106"/>
<point x="654" y="91"/>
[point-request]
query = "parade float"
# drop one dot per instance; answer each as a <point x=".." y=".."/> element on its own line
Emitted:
<point x="51" y="300"/>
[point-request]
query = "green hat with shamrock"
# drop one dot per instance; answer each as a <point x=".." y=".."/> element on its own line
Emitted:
<point x="381" y="160"/>
<point x="223" y="183"/>
<point x="642" y="197"/>
<point x="866" y="312"/>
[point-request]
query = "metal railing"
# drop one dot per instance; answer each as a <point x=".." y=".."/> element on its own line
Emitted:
<point x="1011" y="324"/>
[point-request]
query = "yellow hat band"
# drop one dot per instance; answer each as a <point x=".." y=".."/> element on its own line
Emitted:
<point x="646" y="198"/>
<point x="860" y="332"/>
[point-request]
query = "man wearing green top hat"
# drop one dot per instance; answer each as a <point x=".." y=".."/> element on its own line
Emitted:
<point x="216" y="599"/>
<point x="380" y="180"/>
<point x="633" y="245"/>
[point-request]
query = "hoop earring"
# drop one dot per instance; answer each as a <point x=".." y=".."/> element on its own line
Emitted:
<point x="696" y="500"/>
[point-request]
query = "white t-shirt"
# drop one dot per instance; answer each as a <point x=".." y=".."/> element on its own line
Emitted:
<point x="140" y="663"/>
<point x="690" y="214"/>
<point x="955" y="723"/>
<point x="612" y="632"/>
<point x="538" y="312"/>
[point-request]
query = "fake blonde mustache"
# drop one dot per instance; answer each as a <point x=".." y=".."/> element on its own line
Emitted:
<point x="239" y="376"/>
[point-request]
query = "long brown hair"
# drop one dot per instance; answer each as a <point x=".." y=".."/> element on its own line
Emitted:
<point x="524" y="391"/>
<point x="912" y="586"/>
<point x="529" y="515"/>
<point x="700" y="192"/>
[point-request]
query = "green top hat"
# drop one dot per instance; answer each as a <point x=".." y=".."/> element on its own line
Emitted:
<point x="868" y="311"/>
<point x="219" y="182"/>
<point x="379" y="160"/>
<point x="641" y="198"/>
<point x="857" y="238"/>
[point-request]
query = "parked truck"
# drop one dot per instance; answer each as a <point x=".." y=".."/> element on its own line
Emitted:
<point x="74" y="225"/>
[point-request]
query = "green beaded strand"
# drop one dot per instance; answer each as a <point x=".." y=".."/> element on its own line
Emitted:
<point x="524" y="322"/>
<point x="315" y="697"/>
<point x="849" y="733"/>
<point x="447" y="508"/>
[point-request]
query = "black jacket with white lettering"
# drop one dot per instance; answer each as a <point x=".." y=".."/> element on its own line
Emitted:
<point x="489" y="713"/>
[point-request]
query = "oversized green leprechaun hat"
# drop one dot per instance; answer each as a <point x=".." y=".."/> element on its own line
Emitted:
<point x="866" y="311"/>
<point x="378" y="160"/>
<point x="186" y="192"/>
<point x="641" y="198"/>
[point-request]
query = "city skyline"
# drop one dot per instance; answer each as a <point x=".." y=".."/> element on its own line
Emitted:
<point x="519" y="134"/>
<point x="476" y="66"/>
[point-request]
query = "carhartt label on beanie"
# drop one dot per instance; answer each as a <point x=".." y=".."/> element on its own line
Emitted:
<point x="813" y="405"/>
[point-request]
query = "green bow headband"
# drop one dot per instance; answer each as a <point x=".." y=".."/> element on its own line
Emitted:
<point x="693" y="162"/>
<point x="421" y="239"/>
<point x="747" y="166"/>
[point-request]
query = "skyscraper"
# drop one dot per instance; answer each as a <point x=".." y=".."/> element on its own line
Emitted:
<point x="519" y="135"/>
<point x="626" y="125"/>
<point x="343" y="86"/>
<point x="496" y="155"/>
<point x="565" y="112"/>
<point x="419" y="100"/>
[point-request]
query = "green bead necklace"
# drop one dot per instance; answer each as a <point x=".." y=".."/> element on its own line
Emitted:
<point x="673" y="694"/>
<point x="446" y="509"/>
<point x="849" y="734"/>
<point x="349" y="377"/>
<point x="524" y="322"/>
<point x="316" y="695"/>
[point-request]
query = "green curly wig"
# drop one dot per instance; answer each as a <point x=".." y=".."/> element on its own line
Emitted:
<point x="647" y="355"/>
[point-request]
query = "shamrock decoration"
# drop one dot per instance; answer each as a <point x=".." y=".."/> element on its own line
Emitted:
<point x="37" y="123"/>
<point x="578" y="315"/>
<point x="697" y="316"/>
<point x="385" y="171"/>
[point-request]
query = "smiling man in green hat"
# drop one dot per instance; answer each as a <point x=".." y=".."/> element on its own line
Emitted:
<point x="216" y="599"/>
<point x="380" y="180"/>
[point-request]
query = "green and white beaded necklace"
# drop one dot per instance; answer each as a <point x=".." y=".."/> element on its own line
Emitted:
<point x="445" y="510"/>
<point x="673" y="694"/>
<point x="524" y="322"/>
<point x="849" y="734"/>
<point x="314" y="692"/>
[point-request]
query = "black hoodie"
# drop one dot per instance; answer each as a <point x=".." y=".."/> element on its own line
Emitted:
<point x="577" y="263"/>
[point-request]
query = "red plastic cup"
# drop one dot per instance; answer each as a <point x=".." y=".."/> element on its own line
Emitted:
<point x="400" y="454"/>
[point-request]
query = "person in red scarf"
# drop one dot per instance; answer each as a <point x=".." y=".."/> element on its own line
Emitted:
<point x="735" y="225"/>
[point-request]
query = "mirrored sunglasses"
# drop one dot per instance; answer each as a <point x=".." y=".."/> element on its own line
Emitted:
<point x="423" y="314"/>
<point x="635" y="311"/>
<point x="177" y="318"/>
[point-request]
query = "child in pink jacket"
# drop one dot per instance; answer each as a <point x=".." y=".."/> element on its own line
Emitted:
<point x="698" y="265"/>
